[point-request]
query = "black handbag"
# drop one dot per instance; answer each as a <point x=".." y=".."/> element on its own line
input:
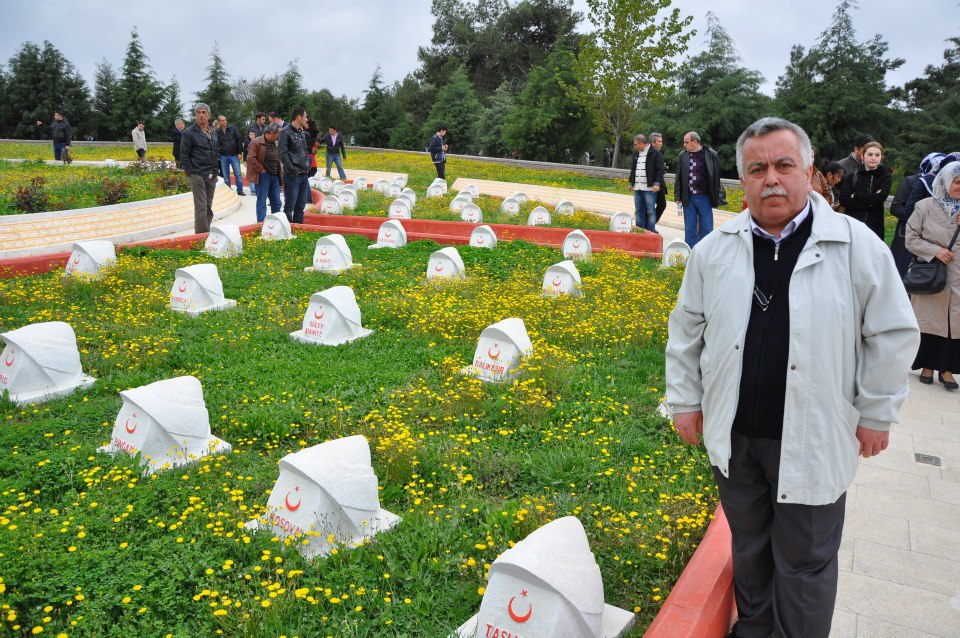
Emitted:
<point x="927" y="277"/>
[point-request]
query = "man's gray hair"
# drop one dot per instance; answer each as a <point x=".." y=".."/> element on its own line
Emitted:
<point x="640" y="138"/>
<point x="272" y="127"/>
<point x="693" y="135"/>
<point x="179" y="121"/>
<point x="767" y="125"/>
<point x="655" y="136"/>
<point x="201" y="106"/>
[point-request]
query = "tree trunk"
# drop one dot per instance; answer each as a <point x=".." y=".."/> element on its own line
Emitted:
<point x="616" y="152"/>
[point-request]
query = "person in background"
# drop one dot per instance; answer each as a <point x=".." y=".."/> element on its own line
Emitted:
<point x="898" y="208"/>
<point x="176" y="135"/>
<point x="61" y="134"/>
<point x="930" y="229"/>
<point x="296" y="166"/>
<point x="312" y="135"/>
<point x="265" y="170"/>
<point x="251" y="135"/>
<point x="231" y="145"/>
<point x="335" y="148"/>
<point x="697" y="187"/>
<point x="852" y="162"/>
<point x="646" y="173"/>
<point x="199" y="158"/>
<point x="276" y="119"/>
<point x="258" y="126"/>
<point x="864" y="193"/>
<point x="656" y="141"/>
<point x="438" y="151"/>
<point x="139" y="141"/>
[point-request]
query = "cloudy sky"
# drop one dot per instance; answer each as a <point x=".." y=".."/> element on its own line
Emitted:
<point x="339" y="44"/>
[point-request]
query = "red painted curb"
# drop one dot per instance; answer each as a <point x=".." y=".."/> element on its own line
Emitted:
<point x="701" y="604"/>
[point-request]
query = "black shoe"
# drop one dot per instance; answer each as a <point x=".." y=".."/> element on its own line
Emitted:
<point x="949" y="385"/>
<point x="925" y="380"/>
<point x="242" y="194"/>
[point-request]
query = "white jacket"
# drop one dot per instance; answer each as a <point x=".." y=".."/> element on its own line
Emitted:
<point x="850" y="348"/>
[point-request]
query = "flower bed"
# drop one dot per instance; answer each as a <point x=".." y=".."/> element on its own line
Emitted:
<point x="82" y="152"/>
<point x="92" y="547"/>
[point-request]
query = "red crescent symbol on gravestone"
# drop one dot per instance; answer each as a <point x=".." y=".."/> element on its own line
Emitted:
<point x="76" y="259"/>
<point x="556" y="281"/>
<point x="182" y="287"/>
<point x="540" y="217"/>
<point x="480" y="240"/>
<point x="323" y="251"/>
<point x="270" y="226"/>
<point x="9" y="359"/>
<point x="388" y="233"/>
<point x="214" y="241"/>
<point x="576" y="244"/>
<point x="319" y="315"/>
<point x="513" y="615"/>
<point x="490" y="351"/>
<point x="126" y="426"/>
<point x="439" y="266"/>
<point x="623" y="221"/>
<point x="286" y="501"/>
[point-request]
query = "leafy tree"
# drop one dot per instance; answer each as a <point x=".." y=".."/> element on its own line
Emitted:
<point x="281" y="93"/>
<point x="715" y="96"/>
<point x="218" y="93"/>
<point x="328" y="109"/>
<point x="932" y="121"/>
<point x="626" y="60"/>
<point x="457" y="107"/>
<point x="378" y="115"/>
<point x="291" y="93"/>
<point x="837" y="89"/>
<point x="138" y="95"/>
<point x="546" y="123"/>
<point x="407" y="134"/>
<point x="40" y="81"/>
<point x="491" y="123"/>
<point x="103" y="115"/>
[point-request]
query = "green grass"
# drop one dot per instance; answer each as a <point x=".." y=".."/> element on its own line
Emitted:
<point x="90" y="548"/>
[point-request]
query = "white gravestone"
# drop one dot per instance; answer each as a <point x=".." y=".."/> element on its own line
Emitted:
<point x="501" y="348"/>
<point x="197" y="289"/>
<point x="521" y="197"/>
<point x="442" y="183"/>
<point x="393" y="190"/>
<point x="110" y="163"/>
<point x="337" y="187"/>
<point x="381" y="186"/>
<point x="434" y="190"/>
<point x="621" y="222"/>
<point x="348" y="198"/>
<point x="471" y="213"/>
<point x="562" y="279"/>
<point x="405" y="197"/>
<point x="577" y="246"/>
<point x="675" y="254"/>
<point x="539" y="216"/>
<point x="360" y="183"/>
<point x="510" y="206"/>
<point x="331" y="205"/>
<point x="91" y="258"/>
<point x="224" y="241"/>
<point x="445" y="264"/>
<point x="458" y="202"/>
<point x="400" y="180"/>
<point x="41" y="361"/>
<point x="332" y="319"/>
<point x="392" y="234"/>
<point x="331" y="255"/>
<point x="411" y="195"/>
<point x="314" y="182"/>
<point x="329" y="495"/>
<point x="471" y="189"/>
<point x="276" y="226"/>
<point x="564" y="207"/>
<point x="483" y="237"/>
<point x="167" y="423"/>
<point x="399" y="209"/>
<point x="547" y="586"/>
<point x="326" y="184"/>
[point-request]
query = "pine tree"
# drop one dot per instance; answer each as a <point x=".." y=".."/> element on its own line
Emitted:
<point x="138" y="95"/>
<point x="378" y="116"/>
<point x="218" y="95"/>
<point x="103" y="116"/>
<point x="458" y="108"/>
<point x="40" y="81"/>
<point x="172" y="107"/>
<point x="491" y="123"/>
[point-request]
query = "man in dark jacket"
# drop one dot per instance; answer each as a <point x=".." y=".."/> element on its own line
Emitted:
<point x="697" y="187"/>
<point x="61" y="134"/>
<point x="199" y="158"/>
<point x="335" y="148"/>
<point x="177" y="135"/>
<point x="646" y="173"/>
<point x="231" y="144"/>
<point x="438" y="151"/>
<point x="656" y="141"/>
<point x="296" y="166"/>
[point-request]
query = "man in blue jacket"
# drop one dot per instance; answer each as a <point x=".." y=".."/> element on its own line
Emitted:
<point x="438" y="151"/>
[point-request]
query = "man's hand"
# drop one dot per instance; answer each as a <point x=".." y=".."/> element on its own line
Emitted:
<point x="689" y="426"/>
<point x="39" y="123"/>
<point x="872" y="442"/>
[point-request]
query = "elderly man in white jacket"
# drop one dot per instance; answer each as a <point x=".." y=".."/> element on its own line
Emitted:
<point x="788" y="352"/>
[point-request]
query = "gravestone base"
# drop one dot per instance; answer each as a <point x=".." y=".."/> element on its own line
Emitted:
<point x="41" y="396"/>
<point x="302" y="337"/>
<point x="227" y="303"/>
<point x="333" y="272"/>
<point x="616" y="623"/>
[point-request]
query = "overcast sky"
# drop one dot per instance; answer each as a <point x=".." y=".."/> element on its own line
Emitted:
<point x="339" y="44"/>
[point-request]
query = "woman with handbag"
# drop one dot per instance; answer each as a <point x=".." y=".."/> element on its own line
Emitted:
<point x="932" y="232"/>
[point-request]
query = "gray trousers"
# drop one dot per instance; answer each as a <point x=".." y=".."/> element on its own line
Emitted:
<point x="203" y="188"/>
<point x="784" y="554"/>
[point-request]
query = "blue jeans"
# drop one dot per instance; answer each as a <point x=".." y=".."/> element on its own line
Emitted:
<point x="227" y="161"/>
<point x="697" y="219"/>
<point x="334" y="158"/>
<point x="645" y="205"/>
<point x="58" y="150"/>
<point x="269" y="187"/>
<point x="295" y="191"/>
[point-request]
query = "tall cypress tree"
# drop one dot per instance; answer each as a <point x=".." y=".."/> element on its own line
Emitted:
<point x="139" y="95"/>
<point x="218" y="93"/>
<point x="39" y="82"/>
<point x="103" y="116"/>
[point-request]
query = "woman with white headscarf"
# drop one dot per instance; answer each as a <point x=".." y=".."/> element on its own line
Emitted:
<point x="929" y="231"/>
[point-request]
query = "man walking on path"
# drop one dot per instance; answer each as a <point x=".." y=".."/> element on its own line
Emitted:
<point x="139" y="141"/>
<point x="61" y="134"/>
<point x="788" y="353"/>
<point x="438" y="152"/>
<point x="231" y="144"/>
<point x="335" y="148"/>
<point x="296" y="166"/>
<point x="176" y="135"/>
<point x="198" y="156"/>
<point x="646" y="173"/>
<point x="697" y="187"/>
<point x="264" y="169"/>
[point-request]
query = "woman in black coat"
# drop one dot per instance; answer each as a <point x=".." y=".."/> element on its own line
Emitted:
<point x="863" y="194"/>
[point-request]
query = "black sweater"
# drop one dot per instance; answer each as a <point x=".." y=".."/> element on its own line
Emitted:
<point x="766" y="348"/>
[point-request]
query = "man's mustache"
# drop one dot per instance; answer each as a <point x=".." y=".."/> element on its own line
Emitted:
<point x="772" y="191"/>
